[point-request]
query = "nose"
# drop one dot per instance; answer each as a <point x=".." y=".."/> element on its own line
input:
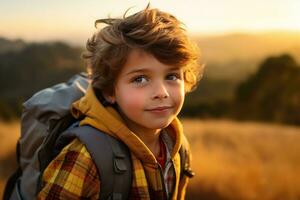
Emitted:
<point x="160" y="91"/>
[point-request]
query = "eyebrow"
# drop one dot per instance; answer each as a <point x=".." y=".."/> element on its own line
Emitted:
<point x="143" y="70"/>
<point x="139" y="70"/>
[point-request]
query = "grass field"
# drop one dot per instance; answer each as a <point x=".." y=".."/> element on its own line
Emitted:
<point x="232" y="161"/>
<point x="9" y="134"/>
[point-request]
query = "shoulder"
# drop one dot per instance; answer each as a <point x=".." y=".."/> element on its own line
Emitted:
<point x="76" y="147"/>
<point x="74" y="171"/>
<point x="74" y="157"/>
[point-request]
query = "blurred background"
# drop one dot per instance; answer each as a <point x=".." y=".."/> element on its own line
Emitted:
<point x="243" y="120"/>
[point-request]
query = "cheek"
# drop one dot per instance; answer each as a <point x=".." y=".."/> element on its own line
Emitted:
<point x="178" y="95"/>
<point x="180" y="102"/>
<point x="130" y="101"/>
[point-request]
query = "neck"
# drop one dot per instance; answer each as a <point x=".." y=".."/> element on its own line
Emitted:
<point x="150" y="137"/>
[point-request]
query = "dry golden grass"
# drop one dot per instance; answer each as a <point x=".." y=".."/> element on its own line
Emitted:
<point x="236" y="161"/>
<point x="244" y="160"/>
<point x="9" y="133"/>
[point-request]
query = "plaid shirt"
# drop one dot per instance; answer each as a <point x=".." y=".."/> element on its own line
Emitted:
<point x="73" y="175"/>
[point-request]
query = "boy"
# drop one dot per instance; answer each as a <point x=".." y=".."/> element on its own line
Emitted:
<point x="141" y="67"/>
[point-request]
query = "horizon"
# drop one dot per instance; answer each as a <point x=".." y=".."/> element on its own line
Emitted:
<point x="79" y="43"/>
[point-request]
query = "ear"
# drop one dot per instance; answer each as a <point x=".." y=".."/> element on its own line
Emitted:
<point x="110" y="98"/>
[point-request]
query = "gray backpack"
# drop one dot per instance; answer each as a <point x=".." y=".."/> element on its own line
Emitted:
<point x="47" y="126"/>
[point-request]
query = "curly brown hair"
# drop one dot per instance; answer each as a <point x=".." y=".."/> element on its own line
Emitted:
<point x="151" y="30"/>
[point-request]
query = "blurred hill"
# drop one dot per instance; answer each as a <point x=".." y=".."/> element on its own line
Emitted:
<point x="233" y="57"/>
<point x="26" y="68"/>
<point x="230" y="61"/>
<point x="271" y="94"/>
<point x="9" y="45"/>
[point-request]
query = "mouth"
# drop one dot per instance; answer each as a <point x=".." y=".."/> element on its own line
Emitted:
<point x="159" y="109"/>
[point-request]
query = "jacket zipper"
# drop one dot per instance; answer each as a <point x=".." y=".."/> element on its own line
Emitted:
<point x="175" y="177"/>
<point x="163" y="180"/>
<point x="163" y="177"/>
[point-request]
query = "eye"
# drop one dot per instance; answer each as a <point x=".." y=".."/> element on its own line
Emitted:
<point x="173" y="77"/>
<point x="140" y="80"/>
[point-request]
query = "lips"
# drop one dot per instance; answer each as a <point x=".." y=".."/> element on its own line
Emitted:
<point x="159" y="108"/>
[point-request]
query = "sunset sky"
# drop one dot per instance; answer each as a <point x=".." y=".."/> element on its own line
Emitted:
<point x="73" y="20"/>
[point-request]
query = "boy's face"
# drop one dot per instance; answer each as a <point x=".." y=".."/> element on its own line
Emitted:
<point x="149" y="93"/>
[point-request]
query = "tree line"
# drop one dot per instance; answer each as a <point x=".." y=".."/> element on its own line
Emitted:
<point x="271" y="94"/>
<point x="32" y="68"/>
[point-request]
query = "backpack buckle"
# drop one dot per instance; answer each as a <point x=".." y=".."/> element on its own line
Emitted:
<point x="189" y="172"/>
<point x="119" y="164"/>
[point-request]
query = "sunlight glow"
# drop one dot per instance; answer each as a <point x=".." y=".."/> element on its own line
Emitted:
<point x="73" y="20"/>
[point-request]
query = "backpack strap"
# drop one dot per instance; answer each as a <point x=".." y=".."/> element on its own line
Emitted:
<point x="111" y="157"/>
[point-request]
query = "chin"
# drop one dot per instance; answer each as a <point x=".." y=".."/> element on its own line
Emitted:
<point x="160" y="125"/>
